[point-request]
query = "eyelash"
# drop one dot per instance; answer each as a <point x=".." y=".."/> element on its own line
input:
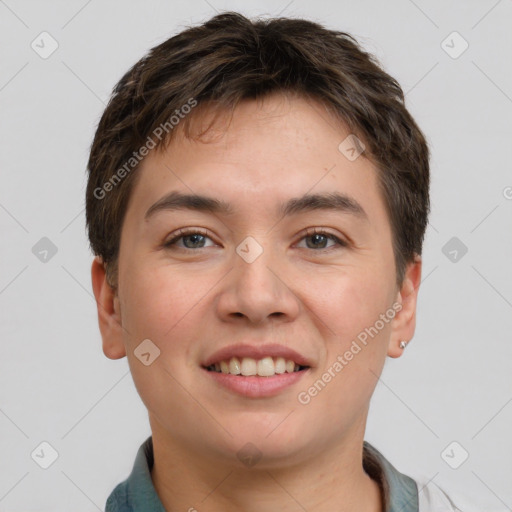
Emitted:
<point x="315" y="231"/>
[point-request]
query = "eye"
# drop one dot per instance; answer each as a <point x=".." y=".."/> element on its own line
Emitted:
<point x="195" y="239"/>
<point x="192" y="239"/>
<point x="319" y="237"/>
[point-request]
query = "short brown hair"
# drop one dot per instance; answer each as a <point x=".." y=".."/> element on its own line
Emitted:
<point x="231" y="58"/>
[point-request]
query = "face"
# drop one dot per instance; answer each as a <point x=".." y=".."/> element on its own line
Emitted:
<point x="271" y="275"/>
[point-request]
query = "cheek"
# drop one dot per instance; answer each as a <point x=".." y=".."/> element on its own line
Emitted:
<point x="354" y="357"/>
<point x="159" y="306"/>
<point x="356" y="338"/>
<point x="156" y="303"/>
<point x="348" y="301"/>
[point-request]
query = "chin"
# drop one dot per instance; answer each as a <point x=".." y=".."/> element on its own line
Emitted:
<point x="271" y="443"/>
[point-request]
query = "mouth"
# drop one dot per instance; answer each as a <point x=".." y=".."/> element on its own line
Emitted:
<point x="249" y="367"/>
<point x="256" y="370"/>
<point x="256" y="378"/>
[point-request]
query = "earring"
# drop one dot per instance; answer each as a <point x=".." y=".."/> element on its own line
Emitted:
<point x="403" y="344"/>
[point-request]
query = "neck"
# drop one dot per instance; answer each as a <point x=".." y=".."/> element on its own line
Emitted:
<point x="331" y="481"/>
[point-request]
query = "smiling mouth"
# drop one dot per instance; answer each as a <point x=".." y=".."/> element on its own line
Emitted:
<point x="247" y="366"/>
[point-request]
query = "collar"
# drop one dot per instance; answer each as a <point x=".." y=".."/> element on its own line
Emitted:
<point x="399" y="492"/>
<point x="137" y="493"/>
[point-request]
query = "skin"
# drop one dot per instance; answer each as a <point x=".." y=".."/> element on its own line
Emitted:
<point x="314" y="298"/>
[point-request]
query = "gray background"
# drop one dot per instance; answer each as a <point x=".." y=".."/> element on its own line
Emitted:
<point x="454" y="381"/>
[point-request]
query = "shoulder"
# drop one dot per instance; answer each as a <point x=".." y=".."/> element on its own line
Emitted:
<point x="117" y="501"/>
<point x="406" y="493"/>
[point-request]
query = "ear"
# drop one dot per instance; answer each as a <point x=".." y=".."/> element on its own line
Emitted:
<point x="109" y="318"/>
<point x="404" y="322"/>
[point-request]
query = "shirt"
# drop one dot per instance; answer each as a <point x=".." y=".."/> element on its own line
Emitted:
<point x="400" y="493"/>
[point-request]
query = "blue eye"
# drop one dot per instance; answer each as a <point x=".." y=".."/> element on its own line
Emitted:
<point x="196" y="236"/>
<point x="319" y="236"/>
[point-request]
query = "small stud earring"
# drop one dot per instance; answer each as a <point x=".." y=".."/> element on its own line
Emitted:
<point x="403" y="344"/>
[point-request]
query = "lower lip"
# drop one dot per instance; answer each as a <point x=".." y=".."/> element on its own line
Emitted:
<point x="255" y="386"/>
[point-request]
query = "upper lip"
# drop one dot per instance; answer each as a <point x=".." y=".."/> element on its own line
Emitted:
<point x="256" y="352"/>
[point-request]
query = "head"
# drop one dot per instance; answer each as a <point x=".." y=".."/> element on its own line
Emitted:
<point x="256" y="115"/>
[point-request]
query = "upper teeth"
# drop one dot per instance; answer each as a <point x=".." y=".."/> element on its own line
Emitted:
<point x="265" y="367"/>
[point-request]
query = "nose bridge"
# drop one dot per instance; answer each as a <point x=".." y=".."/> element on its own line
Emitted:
<point x="256" y="289"/>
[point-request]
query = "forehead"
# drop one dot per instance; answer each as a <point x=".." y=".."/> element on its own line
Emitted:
<point x="266" y="153"/>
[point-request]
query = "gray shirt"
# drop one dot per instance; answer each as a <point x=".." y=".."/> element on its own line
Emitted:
<point x="400" y="493"/>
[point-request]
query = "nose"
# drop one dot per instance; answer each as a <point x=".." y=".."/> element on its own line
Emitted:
<point x="258" y="291"/>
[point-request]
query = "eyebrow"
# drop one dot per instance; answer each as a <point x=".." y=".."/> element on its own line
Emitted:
<point x="334" y="201"/>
